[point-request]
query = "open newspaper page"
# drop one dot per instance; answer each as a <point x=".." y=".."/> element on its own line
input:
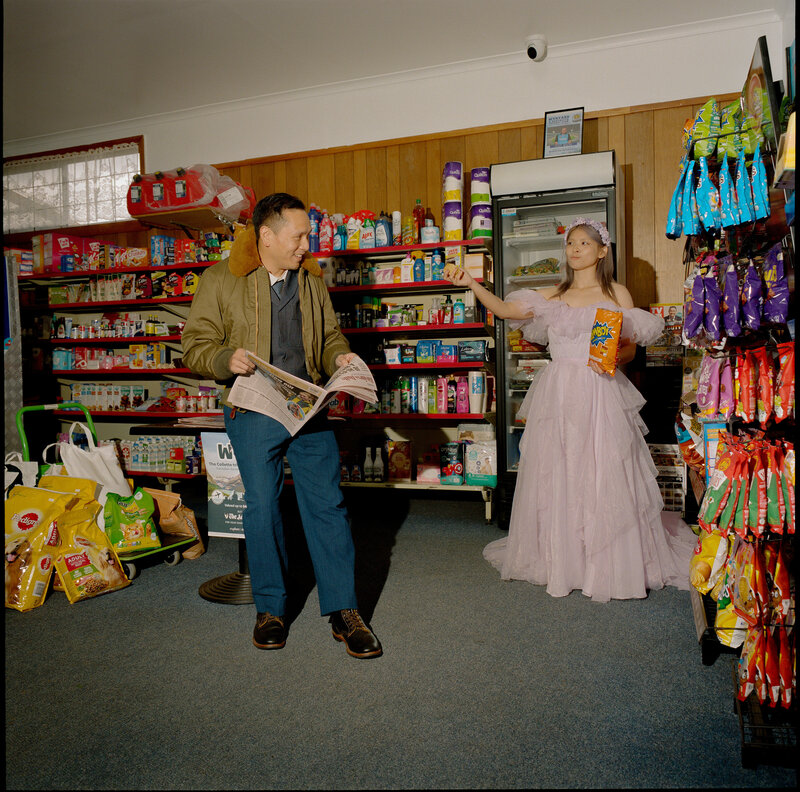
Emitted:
<point x="293" y="401"/>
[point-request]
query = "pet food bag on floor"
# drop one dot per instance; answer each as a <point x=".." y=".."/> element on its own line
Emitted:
<point x="176" y="519"/>
<point x="32" y="542"/>
<point x="128" y="522"/>
<point x="85" y="490"/>
<point x="87" y="564"/>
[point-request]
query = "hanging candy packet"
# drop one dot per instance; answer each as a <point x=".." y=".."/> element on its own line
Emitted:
<point x="694" y="305"/>
<point x="689" y="218"/>
<point x="708" y="386"/>
<point x="604" y="339"/>
<point x="707" y="198"/>
<point x="729" y="304"/>
<point x="785" y="666"/>
<point x="764" y="385"/>
<point x="751" y="298"/>
<point x="726" y="398"/>
<point x="758" y="183"/>
<point x="674" y="214"/>
<point x="729" y="210"/>
<point x="711" y="315"/>
<point x="744" y="193"/>
<point x="784" y="382"/>
<point x="776" y="299"/>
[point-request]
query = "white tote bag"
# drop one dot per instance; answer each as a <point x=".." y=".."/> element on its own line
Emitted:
<point x="18" y="471"/>
<point x="98" y="463"/>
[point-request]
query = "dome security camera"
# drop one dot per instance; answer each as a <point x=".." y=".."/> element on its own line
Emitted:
<point x="537" y="47"/>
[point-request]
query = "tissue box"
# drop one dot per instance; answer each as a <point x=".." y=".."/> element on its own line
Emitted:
<point x="478" y="265"/>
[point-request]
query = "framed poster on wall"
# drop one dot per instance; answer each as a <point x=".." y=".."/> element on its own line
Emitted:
<point x="563" y="132"/>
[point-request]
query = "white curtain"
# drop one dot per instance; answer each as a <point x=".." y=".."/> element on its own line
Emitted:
<point x="69" y="189"/>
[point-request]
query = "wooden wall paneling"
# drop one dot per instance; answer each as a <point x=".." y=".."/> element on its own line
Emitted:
<point x="393" y="179"/>
<point x="481" y="151"/>
<point x="413" y="176"/>
<point x="345" y="192"/>
<point x="615" y="141"/>
<point x="262" y="179"/>
<point x="280" y="176"/>
<point x="509" y="145"/>
<point x="433" y="180"/>
<point x="377" y="179"/>
<point x="297" y="178"/>
<point x="602" y="134"/>
<point x="668" y="153"/>
<point x="322" y="182"/>
<point x="639" y="148"/>
<point x="590" y="133"/>
<point x="360" y="181"/>
<point x="530" y="138"/>
<point x="245" y="175"/>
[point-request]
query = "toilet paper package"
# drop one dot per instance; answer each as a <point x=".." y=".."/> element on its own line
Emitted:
<point x="452" y="182"/>
<point x="480" y="221"/>
<point x="452" y="222"/>
<point x="479" y="186"/>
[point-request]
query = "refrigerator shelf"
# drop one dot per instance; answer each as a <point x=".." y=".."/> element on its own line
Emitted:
<point x="549" y="278"/>
<point x="534" y="241"/>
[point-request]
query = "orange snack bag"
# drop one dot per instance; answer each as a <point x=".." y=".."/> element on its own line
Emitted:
<point x="604" y="339"/>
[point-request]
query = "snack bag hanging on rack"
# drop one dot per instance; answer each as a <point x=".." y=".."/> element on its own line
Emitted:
<point x="729" y="209"/>
<point x="757" y="499"/>
<point x="713" y="295"/>
<point x="689" y="217"/>
<point x="729" y="304"/>
<point x="727" y="400"/>
<point x="746" y="667"/>
<point x="725" y="518"/>
<point x="674" y="213"/>
<point x="758" y="182"/>
<point x="694" y="305"/>
<point x="784" y="383"/>
<point x="764" y="385"/>
<point x="740" y="509"/>
<point x="787" y="484"/>
<point x="729" y="142"/>
<point x="775" y="504"/>
<point x="751" y="298"/>
<point x="785" y="666"/>
<point x="746" y="377"/>
<point x="744" y="193"/>
<point x="707" y="567"/>
<point x="707" y="199"/>
<point x="708" y="386"/>
<point x="776" y="300"/>
<point x="718" y="490"/>
<point x="728" y="625"/>
<point x="771" y="667"/>
<point x="705" y="129"/>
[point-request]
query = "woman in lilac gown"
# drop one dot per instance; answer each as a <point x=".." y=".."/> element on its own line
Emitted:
<point x="587" y="511"/>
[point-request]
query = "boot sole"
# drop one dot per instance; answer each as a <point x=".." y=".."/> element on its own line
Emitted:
<point x="359" y="655"/>
<point x="268" y="646"/>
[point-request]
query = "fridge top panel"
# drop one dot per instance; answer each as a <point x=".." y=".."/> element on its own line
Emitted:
<point x="555" y="173"/>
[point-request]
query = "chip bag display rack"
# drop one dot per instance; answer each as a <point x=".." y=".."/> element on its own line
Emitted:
<point x="170" y="545"/>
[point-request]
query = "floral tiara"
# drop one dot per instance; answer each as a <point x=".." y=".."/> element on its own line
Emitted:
<point x="585" y="221"/>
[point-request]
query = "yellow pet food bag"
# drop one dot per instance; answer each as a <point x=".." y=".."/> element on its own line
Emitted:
<point x="87" y="564"/>
<point x="85" y="489"/>
<point x="31" y="543"/>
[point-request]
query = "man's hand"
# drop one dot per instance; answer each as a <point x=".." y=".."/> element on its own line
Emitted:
<point x="240" y="363"/>
<point x="343" y="360"/>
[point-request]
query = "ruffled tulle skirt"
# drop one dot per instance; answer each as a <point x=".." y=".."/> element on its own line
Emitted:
<point x="587" y="510"/>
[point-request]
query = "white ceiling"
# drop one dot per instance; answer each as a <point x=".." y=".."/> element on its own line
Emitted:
<point x="71" y="64"/>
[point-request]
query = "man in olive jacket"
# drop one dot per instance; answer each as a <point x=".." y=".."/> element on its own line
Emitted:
<point x="269" y="297"/>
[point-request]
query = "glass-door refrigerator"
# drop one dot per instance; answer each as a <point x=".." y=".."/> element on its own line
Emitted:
<point x="532" y="203"/>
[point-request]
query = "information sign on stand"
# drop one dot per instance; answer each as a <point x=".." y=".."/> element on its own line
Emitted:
<point x="225" y="489"/>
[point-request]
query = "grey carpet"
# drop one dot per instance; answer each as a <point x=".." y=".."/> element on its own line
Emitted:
<point x="483" y="684"/>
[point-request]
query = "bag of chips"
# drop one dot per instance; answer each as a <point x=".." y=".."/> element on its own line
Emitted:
<point x="31" y="543"/>
<point x="689" y="216"/>
<point x="604" y="339"/>
<point x="744" y="192"/>
<point x="746" y="668"/>
<point x="706" y="129"/>
<point x="764" y="385"/>
<point x="708" y="386"/>
<point x="757" y="499"/>
<point x="674" y="213"/>
<point x="707" y="199"/>
<point x="786" y="666"/>
<point x="776" y="298"/>
<point x="730" y="628"/>
<point x="787" y="484"/>
<point x="758" y="182"/>
<point x="694" y="305"/>
<point x="771" y="667"/>
<point x="751" y="298"/>
<point x="783" y="403"/>
<point x="711" y="315"/>
<point x="730" y="119"/>
<point x="129" y="522"/>
<point x="707" y="566"/>
<point x="87" y="564"/>
<point x="728" y="207"/>
<point x="726" y="398"/>
<point x="729" y="303"/>
<point x="746" y="395"/>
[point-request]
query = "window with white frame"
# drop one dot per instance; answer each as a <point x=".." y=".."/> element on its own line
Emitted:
<point x="70" y="187"/>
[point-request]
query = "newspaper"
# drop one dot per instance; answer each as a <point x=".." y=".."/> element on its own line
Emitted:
<point x="293" y="401"/>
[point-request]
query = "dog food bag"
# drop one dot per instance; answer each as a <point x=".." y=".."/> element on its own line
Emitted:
<point x="31" y="541"/>
<point x="87" y="563"/>
<point x="604" y="339"/>
<point x="129" y="522"/>
<point x="86" y="490"/>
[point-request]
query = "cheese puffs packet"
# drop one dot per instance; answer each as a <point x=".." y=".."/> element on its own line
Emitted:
<point x="604" y="339"/>
<point x="87" y="565"/>
<point x="31" y="543"/>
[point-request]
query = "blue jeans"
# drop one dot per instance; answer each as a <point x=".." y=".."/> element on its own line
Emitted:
<point x="260" y="444"/>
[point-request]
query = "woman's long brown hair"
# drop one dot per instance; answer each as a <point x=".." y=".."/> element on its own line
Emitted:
<point x="605" y="268"/>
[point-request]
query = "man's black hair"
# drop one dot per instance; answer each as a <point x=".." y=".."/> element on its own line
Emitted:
<point x="270" y="208"/>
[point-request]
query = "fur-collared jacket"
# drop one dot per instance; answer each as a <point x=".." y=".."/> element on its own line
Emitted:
<point x="232" y="309"/>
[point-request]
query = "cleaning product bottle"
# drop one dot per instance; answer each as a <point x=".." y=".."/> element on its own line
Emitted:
<point x="418" y="214"/>
<point x="367" y="236"/>
<point x="447" y="311"/>
<point x="368" y="465"/>
<point x="383" y="231"/>
<point x="434" y="314"/>
<point x="377" y="465"/>
<point x="314" y="218"/>
<point x="326" y="232"/>
<point x="458" y="311"/>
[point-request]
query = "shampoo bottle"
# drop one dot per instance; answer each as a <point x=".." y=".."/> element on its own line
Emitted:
<point x="462" y="395"/>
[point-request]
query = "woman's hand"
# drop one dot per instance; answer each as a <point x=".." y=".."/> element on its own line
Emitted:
<point x="240" y="363"/>
<point x="458" y="276"/>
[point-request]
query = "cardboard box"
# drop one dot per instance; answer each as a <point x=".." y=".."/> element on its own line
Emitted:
<point x="479" y="265"/>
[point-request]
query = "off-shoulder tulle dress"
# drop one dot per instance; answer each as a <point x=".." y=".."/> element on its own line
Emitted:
<point x="587" y="511"/>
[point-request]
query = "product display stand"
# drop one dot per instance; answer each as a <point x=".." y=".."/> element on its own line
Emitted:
<point x="233" y="588"/>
